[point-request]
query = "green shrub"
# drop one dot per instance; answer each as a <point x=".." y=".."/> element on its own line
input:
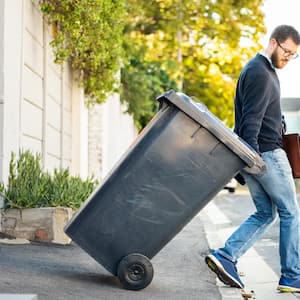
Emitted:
<point x="89" y="35"/>
<point x="29" y="186"/>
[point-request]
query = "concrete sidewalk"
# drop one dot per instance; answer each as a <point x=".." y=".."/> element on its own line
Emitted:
<point x="259" y="279"/>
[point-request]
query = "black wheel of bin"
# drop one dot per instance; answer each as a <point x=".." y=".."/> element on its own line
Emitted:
<point x="135" y="271"/>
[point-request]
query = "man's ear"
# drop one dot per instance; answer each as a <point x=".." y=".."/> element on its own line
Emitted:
<point x="273" y="43"/>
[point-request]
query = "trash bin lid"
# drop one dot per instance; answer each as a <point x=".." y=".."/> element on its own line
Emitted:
<point x="200" y="113"/>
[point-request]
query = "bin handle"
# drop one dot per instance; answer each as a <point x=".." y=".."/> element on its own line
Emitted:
<point x="258" y="168"/>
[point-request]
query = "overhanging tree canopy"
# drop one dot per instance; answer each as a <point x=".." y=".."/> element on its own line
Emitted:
<point x="89" y="35"/>
<point x="197" y="46"/>
<point x="200" y="44"/>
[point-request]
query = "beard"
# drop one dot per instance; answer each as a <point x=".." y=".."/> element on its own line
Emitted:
<point x="277" y="61"/>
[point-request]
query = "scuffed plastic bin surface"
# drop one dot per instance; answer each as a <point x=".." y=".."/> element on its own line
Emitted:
<point x="180" y="161"/>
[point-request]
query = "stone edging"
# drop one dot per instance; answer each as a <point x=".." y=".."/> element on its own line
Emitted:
<point x="36" y="224"/>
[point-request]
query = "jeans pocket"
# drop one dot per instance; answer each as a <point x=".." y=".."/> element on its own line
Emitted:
<point x="277" y="160"/>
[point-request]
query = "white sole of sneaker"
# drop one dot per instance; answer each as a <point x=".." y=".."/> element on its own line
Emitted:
<point x="287" y="289"/>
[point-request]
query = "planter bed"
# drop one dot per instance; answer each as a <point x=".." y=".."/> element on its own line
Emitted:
<point x="36" y="224"/>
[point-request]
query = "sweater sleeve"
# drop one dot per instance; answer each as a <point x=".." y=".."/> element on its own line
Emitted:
<point x="254" y="87"/>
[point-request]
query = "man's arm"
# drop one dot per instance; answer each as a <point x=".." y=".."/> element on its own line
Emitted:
<point x="255" y="102"/>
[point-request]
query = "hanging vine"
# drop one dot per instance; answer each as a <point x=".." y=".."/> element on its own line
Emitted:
<point x="89" y="35"/>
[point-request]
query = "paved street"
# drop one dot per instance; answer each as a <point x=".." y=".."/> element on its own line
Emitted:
<point x="67" y="272"/>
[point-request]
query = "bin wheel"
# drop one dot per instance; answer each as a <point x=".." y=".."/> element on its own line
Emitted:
<point x="135" y="271"/>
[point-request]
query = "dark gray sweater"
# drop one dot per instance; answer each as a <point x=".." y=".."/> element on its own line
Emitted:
<point x="257" y="105"/>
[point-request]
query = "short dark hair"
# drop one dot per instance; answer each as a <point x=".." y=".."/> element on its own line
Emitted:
<point x="283" y="32"/>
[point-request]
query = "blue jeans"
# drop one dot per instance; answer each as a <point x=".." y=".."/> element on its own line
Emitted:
<point x="273" y="193"/>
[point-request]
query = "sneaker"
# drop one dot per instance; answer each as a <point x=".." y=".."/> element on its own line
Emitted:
<point x="225" y="269"/>
<point x="288" y="285"/>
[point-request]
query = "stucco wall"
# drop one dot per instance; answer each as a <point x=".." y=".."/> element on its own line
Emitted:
<point x="111" y="131"/>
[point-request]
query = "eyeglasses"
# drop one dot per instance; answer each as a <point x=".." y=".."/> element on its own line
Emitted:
<point x="287" y="53"/>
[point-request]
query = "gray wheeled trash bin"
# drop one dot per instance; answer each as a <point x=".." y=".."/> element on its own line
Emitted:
<point x="178" y="163"/>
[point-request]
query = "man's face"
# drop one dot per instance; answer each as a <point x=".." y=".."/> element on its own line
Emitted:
<point x="283" y="53"/>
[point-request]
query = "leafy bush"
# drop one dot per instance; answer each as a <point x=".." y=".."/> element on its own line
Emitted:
<point x="29" y="186"/>
<point x="88" y="34"/>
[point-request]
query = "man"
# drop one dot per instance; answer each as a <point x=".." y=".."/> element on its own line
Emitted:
<point x="258" y="121"/>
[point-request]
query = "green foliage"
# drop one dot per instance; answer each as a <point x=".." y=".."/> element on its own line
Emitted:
<point x="29" y="186"/>
<point x="88" y="33"/>
<point x="69" y="191"/>
<point x="195" y="46"/>
<point x="142" y="82"/>
<point x="199" y="44"/>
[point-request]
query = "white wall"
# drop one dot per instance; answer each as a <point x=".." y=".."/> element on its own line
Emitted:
<point x="32" y="99"/>
<point x="43" y="109"/>
<point x="46" y="112"/>
<point x="37" y="97"/>
<point x="79" y="134"/>
<point x="11" y="60"/>
<point x="114" y="129"/>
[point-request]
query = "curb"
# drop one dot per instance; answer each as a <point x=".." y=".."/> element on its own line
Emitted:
<point x="18" y="297"/>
